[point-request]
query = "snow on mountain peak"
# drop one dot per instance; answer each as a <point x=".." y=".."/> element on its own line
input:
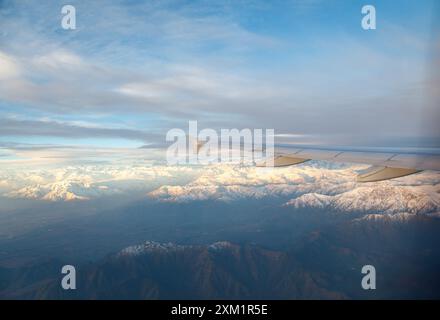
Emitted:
<point x="153" y="246"/>
<point x="220" y="245"/>
<point x="150" y="246"/>
<point x="381" y="197"/>
<point x="315" y="184"/>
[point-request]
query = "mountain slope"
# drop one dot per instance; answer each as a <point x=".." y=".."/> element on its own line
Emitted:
<point x="166" y="271"/>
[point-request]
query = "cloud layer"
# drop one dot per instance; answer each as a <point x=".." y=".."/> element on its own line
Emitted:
<point x="134" y="70"/>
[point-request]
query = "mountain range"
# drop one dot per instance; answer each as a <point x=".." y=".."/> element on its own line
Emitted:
<point x="325" y="264"/>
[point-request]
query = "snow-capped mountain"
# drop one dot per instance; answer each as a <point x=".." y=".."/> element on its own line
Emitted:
<point x="64" y="190"/>
<point x="229" y="183"/>
<point x="316" y="184"/>
<point x="150" y="246"/>
<point x="153" y="246"/>
<point x="85" y="182"/>
<point x="381" y="197"/>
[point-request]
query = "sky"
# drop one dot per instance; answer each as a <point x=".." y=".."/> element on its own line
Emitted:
<point x="132" y="70"/>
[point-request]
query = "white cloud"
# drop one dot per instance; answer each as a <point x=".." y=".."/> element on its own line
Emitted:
<point x="9" y="67"/>
<point x="58" y="59"/>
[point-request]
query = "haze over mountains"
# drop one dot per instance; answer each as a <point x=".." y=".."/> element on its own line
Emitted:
<point x="323" y="265"/>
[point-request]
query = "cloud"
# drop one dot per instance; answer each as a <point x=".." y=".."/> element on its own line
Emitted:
<point x="46" y="156"/>
<point x="9" y="68"/>
<point x="59" y="60"/>
<point x="224" y="64"/>
<point x="17" y="127"/>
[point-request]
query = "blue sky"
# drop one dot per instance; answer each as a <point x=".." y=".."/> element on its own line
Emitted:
<point x="134" y="69"/>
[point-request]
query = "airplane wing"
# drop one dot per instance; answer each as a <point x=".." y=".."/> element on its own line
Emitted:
<point x="386" y="165"/>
